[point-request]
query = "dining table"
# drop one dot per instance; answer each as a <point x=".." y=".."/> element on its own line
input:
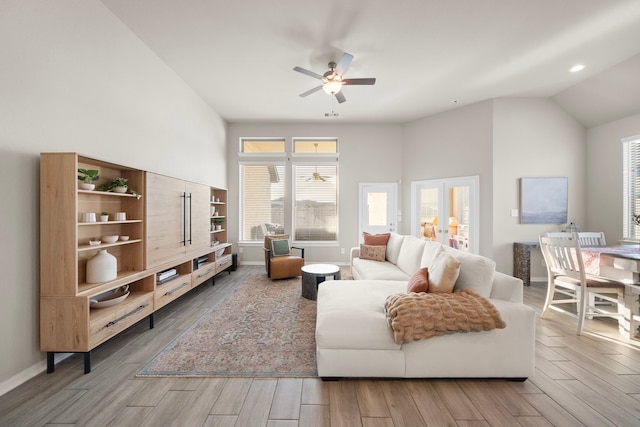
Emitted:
<point x="620" y="263"/>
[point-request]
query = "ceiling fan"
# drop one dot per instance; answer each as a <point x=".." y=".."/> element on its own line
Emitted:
<point x="333" y="80"/>
<point x="315" y="176"/>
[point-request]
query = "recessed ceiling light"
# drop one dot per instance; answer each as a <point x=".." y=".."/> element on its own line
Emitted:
<point x="455" y="101"/>
<point x="576" y="68"/>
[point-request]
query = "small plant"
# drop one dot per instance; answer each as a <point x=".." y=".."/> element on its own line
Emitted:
<point x="104" y="213"/>
<point x="88" y="175"/>
<point x="118" y="182"/>
<point x="217" y="220"/>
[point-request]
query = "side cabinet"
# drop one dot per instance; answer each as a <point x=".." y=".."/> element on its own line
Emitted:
<point x="164" y="246"/>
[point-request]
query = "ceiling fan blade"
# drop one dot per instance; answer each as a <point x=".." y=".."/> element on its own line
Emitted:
<point x="344" y="63"/>
<point x="307" y="72"/>
<point x="340" y="97"/>
<point x="310" y="91"/>
<point x="367" y="81"/>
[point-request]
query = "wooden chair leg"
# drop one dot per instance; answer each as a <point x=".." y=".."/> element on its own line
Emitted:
<point x="582" y="310"/>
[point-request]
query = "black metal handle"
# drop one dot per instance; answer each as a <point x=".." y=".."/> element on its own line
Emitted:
<point x="121" y="318"/>
<point x="183" y="196"/>
<point x="190" y="219"/>
<point x="172" y="291"/>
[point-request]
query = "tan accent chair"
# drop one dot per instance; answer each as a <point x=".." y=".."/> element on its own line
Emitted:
<point x="282" y="266"/>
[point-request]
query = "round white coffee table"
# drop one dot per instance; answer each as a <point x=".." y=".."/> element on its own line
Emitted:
<point x="314" y="274"/>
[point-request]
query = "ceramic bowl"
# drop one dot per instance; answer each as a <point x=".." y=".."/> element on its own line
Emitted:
<point x="109" y="239"/>
<point x="124" y="238"/>
<point x="94" y="242"/>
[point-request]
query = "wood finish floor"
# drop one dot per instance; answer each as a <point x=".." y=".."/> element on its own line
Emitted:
<point x="591" y="380"/>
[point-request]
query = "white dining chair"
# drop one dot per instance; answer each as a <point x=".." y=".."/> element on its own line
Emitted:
<point x="586" y="238"/>
<point x="566" y="276"/>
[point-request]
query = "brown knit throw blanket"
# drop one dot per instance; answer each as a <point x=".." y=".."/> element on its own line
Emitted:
<point x="416" y="316"/>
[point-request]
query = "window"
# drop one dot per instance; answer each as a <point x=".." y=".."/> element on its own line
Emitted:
<point x="291" y="191"/>
<point x="631" y="186"/>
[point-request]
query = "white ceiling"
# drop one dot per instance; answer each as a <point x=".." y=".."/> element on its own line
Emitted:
<point x="239" y="55"/>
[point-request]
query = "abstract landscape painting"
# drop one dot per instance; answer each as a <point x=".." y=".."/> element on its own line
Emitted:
<point x="544" y="200"/>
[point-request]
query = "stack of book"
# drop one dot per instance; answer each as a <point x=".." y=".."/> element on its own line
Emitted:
<point x="197" y="263"/>
<point x="165" y="276"/>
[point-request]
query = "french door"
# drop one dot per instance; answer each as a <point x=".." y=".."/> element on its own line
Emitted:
<point x="446" y="211"/>
<point x="378" y="208"/>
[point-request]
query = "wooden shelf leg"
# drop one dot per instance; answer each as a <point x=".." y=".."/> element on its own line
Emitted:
<point x="51" y="364"/>
<point x="87" y="362"/>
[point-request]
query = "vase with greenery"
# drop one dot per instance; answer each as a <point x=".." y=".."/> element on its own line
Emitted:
<point x="88" y="177"/>
<point x="119" y="185"/>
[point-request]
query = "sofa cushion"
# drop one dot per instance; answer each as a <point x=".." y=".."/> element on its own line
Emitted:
<point x="350" y="314"/>
<point x="364" y="269"/>
<point x="476" y="271"/>
<point x="375" y="239"/>
<point x="410" y="254"/>
<point x="443" y="272"/>
<point x="393" y="248"/>
<point x="419" y="282"/>
<point x="375" y="253"/>
<point x="430" y="248"/>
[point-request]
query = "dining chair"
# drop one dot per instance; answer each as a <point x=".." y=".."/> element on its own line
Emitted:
<point x="586" y="238"/>
<point x="566" y="276"/>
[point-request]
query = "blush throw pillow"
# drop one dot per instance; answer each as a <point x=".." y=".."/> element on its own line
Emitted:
<point x="443" y="272"/>
<point x="375" y="239"/>
<point x="373" y="252"/>
<point x="419" y="282"/>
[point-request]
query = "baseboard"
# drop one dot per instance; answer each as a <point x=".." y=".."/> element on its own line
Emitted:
<point x="32" y="371"/>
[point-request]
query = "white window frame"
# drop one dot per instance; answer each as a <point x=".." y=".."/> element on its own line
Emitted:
<point x="290" y="160"/>
<point x="630" y="187"/>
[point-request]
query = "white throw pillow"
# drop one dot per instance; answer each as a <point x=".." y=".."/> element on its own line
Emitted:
<point x="476" y="272"/>
<point x="443" y="272"/>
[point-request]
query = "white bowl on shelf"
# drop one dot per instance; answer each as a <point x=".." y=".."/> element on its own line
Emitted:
<point x="124" y="238"/>
<point x="109" y="239"/>
<point x="94" y="242"/>
<point x="109" y="298"/>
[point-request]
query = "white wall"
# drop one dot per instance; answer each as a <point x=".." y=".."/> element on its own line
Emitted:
<point x="532" y="138"/>
<point x="368" y="153"/>
<point x="450" y="144"/>
<point x="604" y="177"/>
<point x="74" y="78"/>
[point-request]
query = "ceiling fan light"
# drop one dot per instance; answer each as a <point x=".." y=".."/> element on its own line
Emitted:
<point x="332" y="87"/>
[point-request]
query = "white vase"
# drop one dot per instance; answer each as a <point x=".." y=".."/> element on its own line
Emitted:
<point x="120" y="189"/>
<point x="102" y="267"/>
<point x="87" y="186"/>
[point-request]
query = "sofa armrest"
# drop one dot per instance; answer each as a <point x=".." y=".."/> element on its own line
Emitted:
<point x="355" y="253"/>
<point x="507" y="288"/>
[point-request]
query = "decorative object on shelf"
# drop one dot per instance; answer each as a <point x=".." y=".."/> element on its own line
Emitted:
<point x="219" y="252"/>
<point x="109" y="239"/>
<point x="88" y="176"/>
<point x="104" y="216"/>
<point x="119" y="185"/>
<point x="109" y="298"/>
<point x="121" y="216"/>
<point x="89" y="217"/>
<point x="218" y="223"/>
<point x="124" y="238"/>
<point x="102" y="267"/>
<point x="94" y="242"/>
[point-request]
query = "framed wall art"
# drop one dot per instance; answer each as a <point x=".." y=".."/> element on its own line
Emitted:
<point x="544" y="200"/>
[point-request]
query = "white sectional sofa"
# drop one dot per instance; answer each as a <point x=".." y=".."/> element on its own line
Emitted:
<point x="354" y="339"/>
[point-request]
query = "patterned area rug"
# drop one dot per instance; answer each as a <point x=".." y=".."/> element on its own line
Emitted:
<point x="263" y="328"/>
